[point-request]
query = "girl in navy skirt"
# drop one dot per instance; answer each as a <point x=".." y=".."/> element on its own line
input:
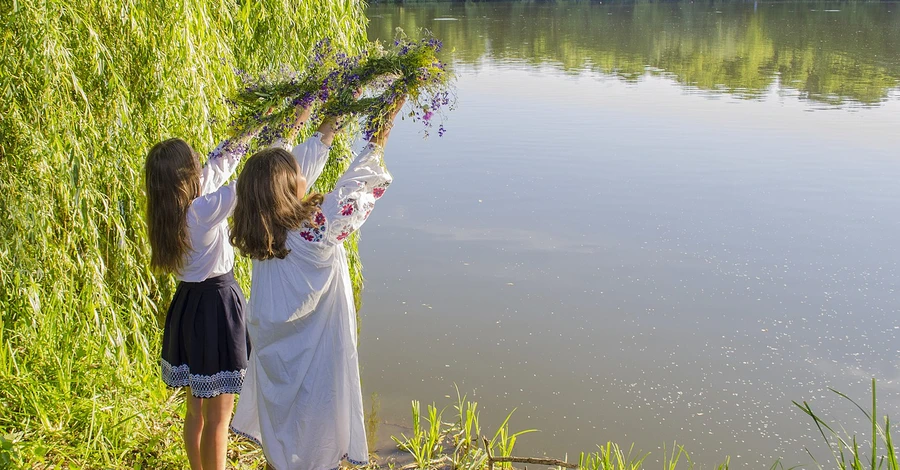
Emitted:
<point x="205" y="344"/>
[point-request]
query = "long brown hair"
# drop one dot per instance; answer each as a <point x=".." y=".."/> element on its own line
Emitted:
<point x="172" y="181"/>
<point x="269" y="203"/>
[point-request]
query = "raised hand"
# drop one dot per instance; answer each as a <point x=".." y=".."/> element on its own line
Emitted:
<point x="332" y="124"/>
<point x="380" y="137"/>
<point x="301" y="115"/>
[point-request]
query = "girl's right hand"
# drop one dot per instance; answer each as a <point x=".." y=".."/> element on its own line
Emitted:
<point x="382" y="135"/>
<point x="333" y="123"/>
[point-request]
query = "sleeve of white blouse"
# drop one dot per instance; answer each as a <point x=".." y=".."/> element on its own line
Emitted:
<point x="311" y="155"/>
<point x="214" y="207"/>
<point x="220" y="165"/>
<point x="347" y="207"/>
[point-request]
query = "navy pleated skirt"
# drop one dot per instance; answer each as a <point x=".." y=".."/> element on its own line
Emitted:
<point x="205" y="343"/>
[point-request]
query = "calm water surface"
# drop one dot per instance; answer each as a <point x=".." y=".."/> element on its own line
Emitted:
<point x="645" y="223"/>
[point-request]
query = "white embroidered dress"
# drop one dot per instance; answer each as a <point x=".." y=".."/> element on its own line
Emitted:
<point x="301" y="398"/>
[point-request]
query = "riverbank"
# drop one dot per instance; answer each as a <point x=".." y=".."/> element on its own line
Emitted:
<point x="453" y="437"/>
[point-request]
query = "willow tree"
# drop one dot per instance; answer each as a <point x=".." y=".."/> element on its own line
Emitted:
<point x="87" y="87"/>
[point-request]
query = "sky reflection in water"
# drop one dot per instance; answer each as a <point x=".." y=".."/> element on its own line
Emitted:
<point x="628" y="254"/>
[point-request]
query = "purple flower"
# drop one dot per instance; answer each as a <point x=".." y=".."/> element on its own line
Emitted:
<point x="436" y="44"/>
<point x="427" y="116"/>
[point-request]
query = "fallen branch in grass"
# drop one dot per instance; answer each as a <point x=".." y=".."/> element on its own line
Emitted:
<point x="533" y="460"/>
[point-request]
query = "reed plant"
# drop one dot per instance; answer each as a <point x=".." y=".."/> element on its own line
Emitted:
<point x="425" y="443"/>
<point x="846" y="450"/>
<point x="611" y="457"/>
<point x="464" y="433"/>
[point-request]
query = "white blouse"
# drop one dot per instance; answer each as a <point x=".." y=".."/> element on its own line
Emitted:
<point x="212" y="254"/>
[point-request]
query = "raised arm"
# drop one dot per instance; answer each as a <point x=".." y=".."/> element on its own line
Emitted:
<point x="223" y="160"/>
<point x="332" y="124"/>
<point x="329" y="128"/>
<point x="311" y="154"/>
<point x="347" y="207"/>
<point x="301" y="116"/>
<point x="380" y="138"/>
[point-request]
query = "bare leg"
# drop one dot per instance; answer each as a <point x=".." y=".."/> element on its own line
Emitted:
<point x="214" y="441"/>
<point x="193" y="427"/>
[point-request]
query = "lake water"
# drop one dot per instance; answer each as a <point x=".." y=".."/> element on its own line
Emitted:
<point x="645" y="223"/>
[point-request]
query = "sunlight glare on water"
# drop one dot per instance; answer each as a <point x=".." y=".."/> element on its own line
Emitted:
<point x="645" y="223"/>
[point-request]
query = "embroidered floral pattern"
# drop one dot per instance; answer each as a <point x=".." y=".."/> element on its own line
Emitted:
<point x="354" y="462"/>
<point x="314" y="233"/>
<point x="256" y="441"/>
<point x="202" y="386"/>
<point x="347" y="207"/>
<point x="245" y="435"/>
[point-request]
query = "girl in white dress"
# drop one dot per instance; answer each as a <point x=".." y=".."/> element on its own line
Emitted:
<point x="302" y="400"/>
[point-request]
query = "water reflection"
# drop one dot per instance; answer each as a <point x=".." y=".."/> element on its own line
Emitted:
<point x="619" y="259"/>
<point x="833" y="54"/>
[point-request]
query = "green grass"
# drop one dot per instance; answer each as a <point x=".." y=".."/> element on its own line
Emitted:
<point x="846" y="451"/>
<point x="85" y="89"/>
